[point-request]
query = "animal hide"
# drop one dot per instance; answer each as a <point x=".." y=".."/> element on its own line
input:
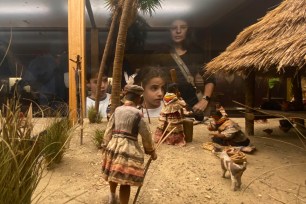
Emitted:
<point x="234" y="169"/>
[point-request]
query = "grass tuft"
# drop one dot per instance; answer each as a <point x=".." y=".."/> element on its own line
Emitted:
<point x="97" y="138"/>
<point x="93" y="116"/>
<point x="55" y="140"/>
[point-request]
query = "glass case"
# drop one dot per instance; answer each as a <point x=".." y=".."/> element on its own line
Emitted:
<point x="34" y="42"/>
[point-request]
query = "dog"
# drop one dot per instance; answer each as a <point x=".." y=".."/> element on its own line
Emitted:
<point x="234" y="169"/>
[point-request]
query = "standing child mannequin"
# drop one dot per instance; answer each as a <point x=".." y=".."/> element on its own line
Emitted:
<point x="172" y="114"/>
<point x="153" y="81"/>
<point x="104" y="97"/>
<point x="123" y="158"/>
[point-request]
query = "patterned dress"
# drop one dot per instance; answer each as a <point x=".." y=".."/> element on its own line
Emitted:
<point x="123" y="158"/>
<point x="171" y="113"/>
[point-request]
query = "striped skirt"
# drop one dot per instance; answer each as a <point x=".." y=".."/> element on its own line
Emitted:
<point x="123" y="162"/>
<point x="177" y="137"/>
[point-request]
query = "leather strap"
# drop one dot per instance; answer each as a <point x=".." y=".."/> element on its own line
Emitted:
<point x="184" y="69"/>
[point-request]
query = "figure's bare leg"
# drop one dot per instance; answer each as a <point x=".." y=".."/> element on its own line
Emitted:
<point x="112" y="195"/>
<point x="239" y="181"/>
<point x="124" y="194"/>
<point x="223" y="168"/>
<point x="234" y="182"/>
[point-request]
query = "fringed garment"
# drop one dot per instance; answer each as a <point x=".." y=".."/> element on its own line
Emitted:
<point x="232" y="132"/>
<point x="123" y="158"/>
<point x="171" y="113"/>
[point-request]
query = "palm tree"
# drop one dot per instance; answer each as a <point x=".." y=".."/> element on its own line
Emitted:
<point x="119" y="53"/>
<point x="105" y="54"/>
<point x="129" y="11"/>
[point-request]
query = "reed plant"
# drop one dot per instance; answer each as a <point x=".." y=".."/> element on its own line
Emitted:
<point x="22" y="154"/>
<point x="93" y="115"/>
<point x="97" y="138"/>
<point x="21" y="161"/>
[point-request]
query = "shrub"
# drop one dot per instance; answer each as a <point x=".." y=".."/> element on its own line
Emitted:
<point x="97" y="138"/>
<point x="93" y="116"/>
<point x="55" y="139"/>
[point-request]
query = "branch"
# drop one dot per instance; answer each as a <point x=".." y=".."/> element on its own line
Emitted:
<point x="282" y="142"/>
<point x="276" y="199"/>
<point x="275" y="115"/>
<point x="280" y="167"/>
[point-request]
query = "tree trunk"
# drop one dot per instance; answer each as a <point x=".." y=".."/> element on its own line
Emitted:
<point x="119" y="54"/>
<point x="104" y="58"/>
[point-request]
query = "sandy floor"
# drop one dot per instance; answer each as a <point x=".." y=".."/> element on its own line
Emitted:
<point x="276" y="172"/>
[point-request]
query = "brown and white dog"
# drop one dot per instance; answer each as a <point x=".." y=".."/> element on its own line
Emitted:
<point x="234" y="169"/>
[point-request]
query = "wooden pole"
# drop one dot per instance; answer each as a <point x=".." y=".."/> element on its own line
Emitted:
<point x="249" y="101"/>
<point x="173" y="75"/>
<point x="76" y="46"/>
<point x="297" y="92"/>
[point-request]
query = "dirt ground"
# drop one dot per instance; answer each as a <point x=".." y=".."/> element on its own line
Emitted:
<point x="276" y="172"/>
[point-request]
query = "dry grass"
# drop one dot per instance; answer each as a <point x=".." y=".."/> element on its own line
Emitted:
<point x="275" y="44"/>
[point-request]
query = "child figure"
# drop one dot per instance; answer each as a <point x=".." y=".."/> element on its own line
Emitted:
<point x="153" y="81"/>
<point x="172" y="113"/>
<point x="229" y="132"/>
<point x="104" y="96"/>
<point x="123" y="158"/>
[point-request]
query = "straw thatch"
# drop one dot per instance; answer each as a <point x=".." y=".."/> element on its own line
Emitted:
<point x="275" y="44"/>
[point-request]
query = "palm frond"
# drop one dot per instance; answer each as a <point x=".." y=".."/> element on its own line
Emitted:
<point x="112" y="4"/>
<point x="149" y="6"/>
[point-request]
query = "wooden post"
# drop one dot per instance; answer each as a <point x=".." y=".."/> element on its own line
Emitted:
<point x="297" y="92"/>
<point x="76" y="46"/>
<point x="288" y="89"/>
<point x="249" y="102"/>
<point x="94" y="42"/>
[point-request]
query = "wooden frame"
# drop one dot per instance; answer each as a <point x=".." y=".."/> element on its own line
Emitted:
<point x="76" y="46"/>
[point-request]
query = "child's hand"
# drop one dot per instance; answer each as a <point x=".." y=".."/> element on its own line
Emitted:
<point x="210" y="128"/>
<point x="218" y="135"/>
<point x="212" y="135"/>
<point x="154" y="155"/>
<point x="103" y="148"/>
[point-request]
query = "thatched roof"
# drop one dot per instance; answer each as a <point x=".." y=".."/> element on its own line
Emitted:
<point x="275" y="44"/>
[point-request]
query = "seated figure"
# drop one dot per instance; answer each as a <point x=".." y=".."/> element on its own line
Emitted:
<point x="228" y="132"/>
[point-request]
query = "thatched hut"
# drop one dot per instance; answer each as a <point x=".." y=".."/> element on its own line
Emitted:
<point x="274" y="46"/>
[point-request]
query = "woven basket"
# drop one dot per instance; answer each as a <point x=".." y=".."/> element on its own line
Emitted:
<point x="236" y="156"/>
